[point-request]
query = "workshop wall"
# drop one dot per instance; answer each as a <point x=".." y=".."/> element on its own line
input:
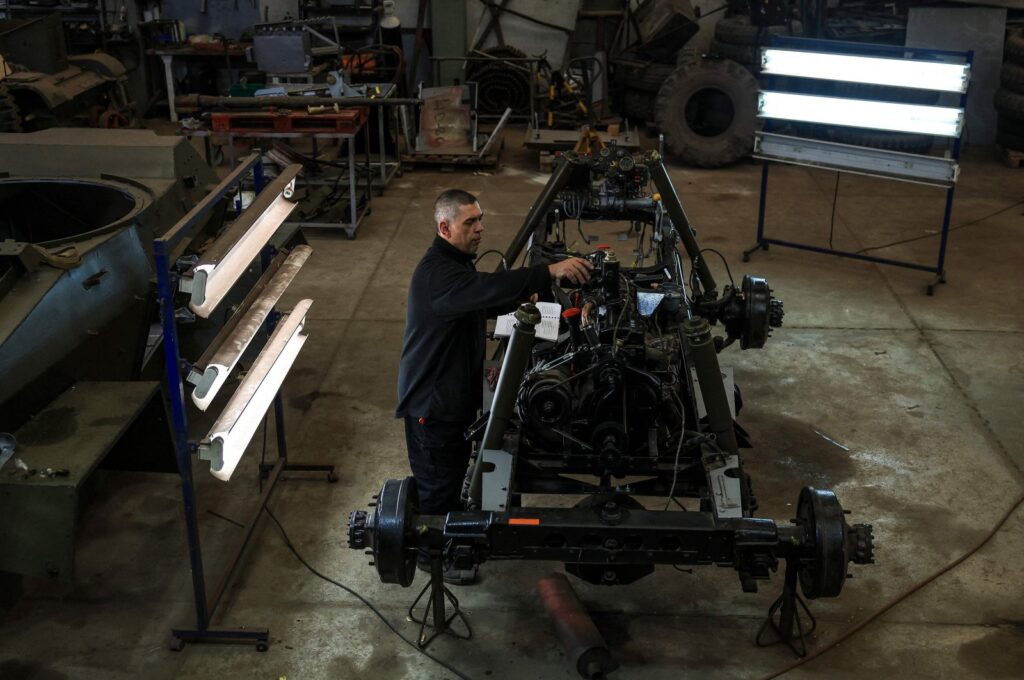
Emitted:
<point x="226" y="17"/>
<point x="230" y="18"/>
<point x="967" y="28"/>
<point x="534" y="39"/>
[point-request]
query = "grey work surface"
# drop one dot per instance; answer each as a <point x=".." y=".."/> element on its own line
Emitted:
<point x="74" y="433"/>
<point x="924" y="391"/>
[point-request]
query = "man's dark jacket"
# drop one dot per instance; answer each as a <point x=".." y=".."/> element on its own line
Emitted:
<point x="441" y="374"/>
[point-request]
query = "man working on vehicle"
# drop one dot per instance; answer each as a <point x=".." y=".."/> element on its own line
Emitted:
<point x="440" y="379"/>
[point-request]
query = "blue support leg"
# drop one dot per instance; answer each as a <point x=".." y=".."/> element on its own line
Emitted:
<point x="761" y="243"/>
<point x="940" y="266"/>
<point x="176" y="395"/>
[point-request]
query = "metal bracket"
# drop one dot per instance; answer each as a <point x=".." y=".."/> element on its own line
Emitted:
<point x="726" y="489"/>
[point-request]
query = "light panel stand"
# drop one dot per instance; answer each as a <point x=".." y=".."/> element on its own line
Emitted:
<point x="887" y="65"/>
<point x="167" y="250"/>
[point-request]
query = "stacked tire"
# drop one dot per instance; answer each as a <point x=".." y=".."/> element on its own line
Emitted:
<point x="640" y="86"/>
<point x="741" y="41"/>
<point x="10" y="118"/>
<point x="1009" y="98"/>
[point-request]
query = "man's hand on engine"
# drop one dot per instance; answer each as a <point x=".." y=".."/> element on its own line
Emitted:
<point x="575" y="269"/>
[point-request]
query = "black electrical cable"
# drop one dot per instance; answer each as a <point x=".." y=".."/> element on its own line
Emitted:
<point x="724" y="261"/>
<point x="488" y="252"/>
<point x="291" y="547"/>
<point x="579" y="228"/>
<point x="714" y="11"/>
<point x="835" y="199"/>
<point x="959" y="226"/>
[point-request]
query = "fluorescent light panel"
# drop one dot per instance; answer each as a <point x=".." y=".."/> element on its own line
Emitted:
<point x="931" y="170"/>
<point x="921" y="75"/>
<point x="235" y="427"/>
<point x="216" y="371"/>
<point x="926" y="120"/>
<point x="210" y="282"/>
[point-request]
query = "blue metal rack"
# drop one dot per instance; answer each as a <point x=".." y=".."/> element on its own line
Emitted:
<point x="863" y="49"/>
<point x="167" y="275"/>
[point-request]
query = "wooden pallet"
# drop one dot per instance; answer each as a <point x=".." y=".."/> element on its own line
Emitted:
<point x="491" y="160"/>
<point x="344" y="121"/>
<point x="1011" y="158"/>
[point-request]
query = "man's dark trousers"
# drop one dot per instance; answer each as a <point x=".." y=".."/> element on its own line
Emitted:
<point x="438" y="456"/>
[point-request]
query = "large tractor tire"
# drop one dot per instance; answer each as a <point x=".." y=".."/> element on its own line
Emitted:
<point x="707" y="110"/>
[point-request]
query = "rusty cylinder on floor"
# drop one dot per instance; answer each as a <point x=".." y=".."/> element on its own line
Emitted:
<point x="582" y="641"/>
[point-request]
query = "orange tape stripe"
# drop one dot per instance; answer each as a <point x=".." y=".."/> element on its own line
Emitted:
<point x="524" y="521"/>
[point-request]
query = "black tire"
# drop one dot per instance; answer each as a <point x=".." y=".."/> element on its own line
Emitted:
<point x="743" y="54"/>
<point x="1009" y="104"/>
<point x="739" y="31"/>
<point x="649" y="78"/>
<point x="639" y="105"/>
<point x="1013" y="48"/>
<point x="1010" y="133"/>
<point x="1009" y="124"/>
<point x="1011" y="77"/>
<point x="707" y="110"/>
<point x="10" y="117"/>
<point x="891" y="141"/>
<point x="1010" y="140"/>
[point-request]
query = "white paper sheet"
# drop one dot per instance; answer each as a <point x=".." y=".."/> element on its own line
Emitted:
<point x="547" y="329"/>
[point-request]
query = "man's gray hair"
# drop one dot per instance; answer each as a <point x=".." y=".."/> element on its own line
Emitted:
<point x="448" y="204"/>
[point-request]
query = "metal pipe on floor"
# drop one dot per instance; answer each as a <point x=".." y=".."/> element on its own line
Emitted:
<point x="583" y="643"/>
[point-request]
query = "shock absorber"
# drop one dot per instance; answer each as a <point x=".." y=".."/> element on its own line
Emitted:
<point x="517" y="356"/>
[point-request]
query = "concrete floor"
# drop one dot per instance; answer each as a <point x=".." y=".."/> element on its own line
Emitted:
<point x="923" y="391"/>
